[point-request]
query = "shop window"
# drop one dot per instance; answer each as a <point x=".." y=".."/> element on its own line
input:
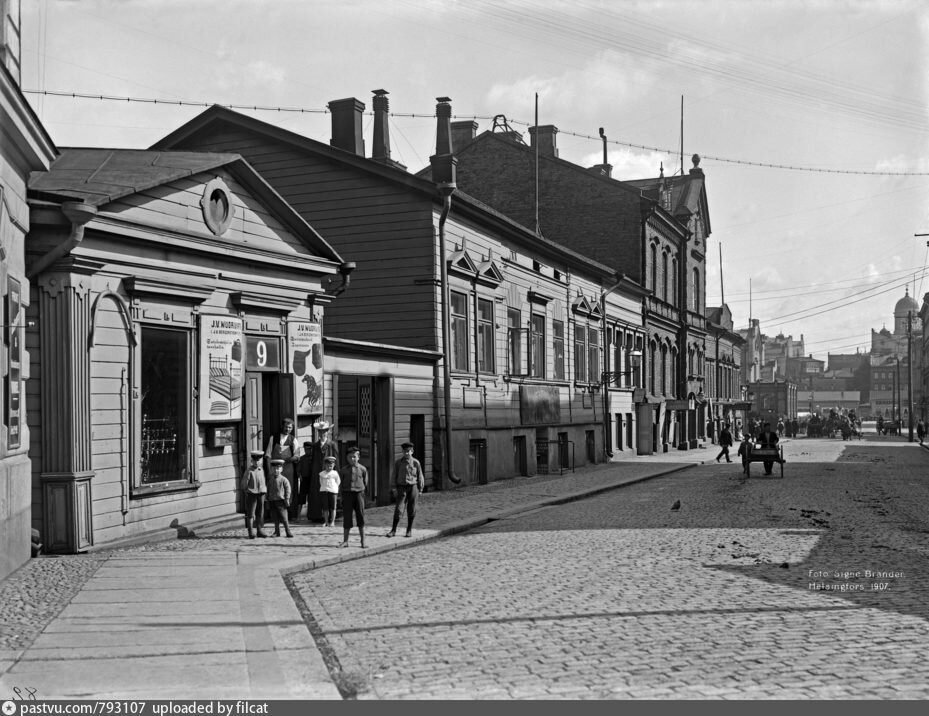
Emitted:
<point x="537" y="346"/>
<point x="165" y="422"/>
<point x="459" y="311"/>
<point x="558" y="348"/>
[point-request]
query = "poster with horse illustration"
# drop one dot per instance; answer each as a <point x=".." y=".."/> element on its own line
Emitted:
<point x="305" y="345"/>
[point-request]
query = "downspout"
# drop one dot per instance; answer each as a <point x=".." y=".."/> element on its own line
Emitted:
<point x="446" y="189"/>
<point x="607" y="436"/>
<point x="79" y="214"/>
<point x="345" y="270"/>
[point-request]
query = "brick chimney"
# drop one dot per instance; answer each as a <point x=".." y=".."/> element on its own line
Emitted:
<point x="463" y="133"/>
<point x="381" y="150"/>
<point x="346" y="125"/>
<point x="545" y="135"/>
<point x="444" y="163"/>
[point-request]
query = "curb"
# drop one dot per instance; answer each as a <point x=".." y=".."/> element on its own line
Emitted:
<point x="474" y="522"/>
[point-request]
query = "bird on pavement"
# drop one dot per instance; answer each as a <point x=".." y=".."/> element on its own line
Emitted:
<point x="676" y="506"/>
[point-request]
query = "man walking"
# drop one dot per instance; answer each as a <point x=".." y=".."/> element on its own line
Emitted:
<point x="409" y="481"/>
<point x="725" y="442"/>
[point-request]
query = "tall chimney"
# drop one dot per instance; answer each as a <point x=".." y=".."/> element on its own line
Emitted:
<point x="463" y="133"/>
<point x="381" y="131"/>
<point x="545" y="136"/>
<point x="346" y="125"/>
<point x="381" y="151"/>
<point x="444" y="163"/>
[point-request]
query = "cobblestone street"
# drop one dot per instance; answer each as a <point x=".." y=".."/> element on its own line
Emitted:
<point x="808" y="587"/>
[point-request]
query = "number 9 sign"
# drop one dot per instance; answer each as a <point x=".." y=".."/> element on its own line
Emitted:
<point x="262" y="353"/>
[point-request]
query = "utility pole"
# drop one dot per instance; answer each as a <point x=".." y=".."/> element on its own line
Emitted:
<point x="909" y="371"/>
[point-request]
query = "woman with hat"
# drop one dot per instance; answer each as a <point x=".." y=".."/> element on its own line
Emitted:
<point x="321" y="448"/>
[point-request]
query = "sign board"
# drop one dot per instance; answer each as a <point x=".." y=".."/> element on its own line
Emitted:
<point x="221" y="359"/>
<point x="305" y="348"/>
<point x="263" y="353"/>
<point x="13" y="406"/>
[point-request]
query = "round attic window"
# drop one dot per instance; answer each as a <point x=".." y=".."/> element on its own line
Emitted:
<point x="217" y="206"/>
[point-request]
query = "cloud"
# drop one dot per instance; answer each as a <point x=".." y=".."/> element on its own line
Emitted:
<point x="605" y="81"/>
<point x="260" y="72"/>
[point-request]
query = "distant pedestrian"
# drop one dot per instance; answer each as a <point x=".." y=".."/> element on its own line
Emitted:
<point x="744" y="447"/>
<point x="329" y="481"/>
<point x="780" y="428"/>
<point x="254" y="488"/>
<point x="880" y="424"/>
<point x="279" y="495"/>
<point x="921" y="431"/>
<point x="408" y="481"/>
<point x="725" y="442"/>
<point x="768" y="439"/>
<point x="354" y="487"/>
<point x="794" y="428"/>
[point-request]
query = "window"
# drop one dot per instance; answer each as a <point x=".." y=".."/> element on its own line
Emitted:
<point x="514" y="342"/>
<point x="654" y="258"/>
<point x="673" y="279"/>
<point x="593" y="354"/>
<point x="166" y="405"/>
<point x="537" y="345"/>
<point x="664" y="276"/>
<point x="696" y="290"/>
<point x="664" y="370"/>
<point x="580" y="353"/>
<point x="459" y="310"/>
<point x="485" y="336"/>
<point x="652" y="369"/>
<point x="558" y="348"/>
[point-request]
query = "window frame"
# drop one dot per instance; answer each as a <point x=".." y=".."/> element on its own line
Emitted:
<point x="537" y="353"/>
<point x="514" y="351"/>
<point x="188" y="370"/>
<point x="558" y="327"/>
<point x="486" y="333"/>
<point x="459" y="333"/>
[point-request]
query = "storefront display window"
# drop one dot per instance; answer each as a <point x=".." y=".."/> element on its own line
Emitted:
<point x="165" y="406"/>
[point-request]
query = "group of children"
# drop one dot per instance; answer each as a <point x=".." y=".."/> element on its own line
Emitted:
<point x="352" y="479"/>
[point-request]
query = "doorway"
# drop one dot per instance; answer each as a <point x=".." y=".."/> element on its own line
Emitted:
<point x="269" y="398"/>
<point x="364" y="416"/>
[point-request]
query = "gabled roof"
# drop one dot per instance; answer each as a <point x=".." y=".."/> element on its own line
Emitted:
<point x="97" y="177"/>
<point x="462" y="203"/>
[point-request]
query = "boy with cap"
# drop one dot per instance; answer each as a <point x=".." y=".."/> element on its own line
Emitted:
<point x="254" y="488"/>
<point x="409" y="481"/>
<point x="279" y="497"/>
<point x="354" y="486"/>
<point x="329" y="481"/>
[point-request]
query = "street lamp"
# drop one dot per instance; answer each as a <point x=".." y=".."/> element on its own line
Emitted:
<point x="635" y="361"/>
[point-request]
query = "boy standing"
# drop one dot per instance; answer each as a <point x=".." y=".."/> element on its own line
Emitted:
<point x="354" y="487"/>
<point x="409" y="481"/>
<point x="279" y="496"/>
<point x="254" y="488"/>
<point x="725" y="442"/>
<point x="329" y="481"/>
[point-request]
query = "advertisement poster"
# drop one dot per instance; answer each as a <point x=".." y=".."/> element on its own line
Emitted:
<point x="305" y="343"/>
<point x="13" y="337"/>
<point x="220" y="368"/>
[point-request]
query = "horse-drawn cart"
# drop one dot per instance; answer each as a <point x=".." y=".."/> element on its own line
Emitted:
<point x="763" y="454"/>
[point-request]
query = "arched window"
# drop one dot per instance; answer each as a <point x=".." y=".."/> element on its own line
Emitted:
<point x="673" y="279"/>
<point x="664" y="369"/>
<point x="654" y="267"/>
<point x="664" y="276"/>
<point x="652" y="368"/>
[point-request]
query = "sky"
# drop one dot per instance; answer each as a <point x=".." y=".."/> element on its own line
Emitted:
<point x="810" y="117"/>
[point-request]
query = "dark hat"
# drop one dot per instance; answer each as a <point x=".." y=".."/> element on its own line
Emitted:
<point x="257" y="453"/>
<point x="407" y="445"/>
<point x="308" y="443"/>
<point x="277" y="462"/>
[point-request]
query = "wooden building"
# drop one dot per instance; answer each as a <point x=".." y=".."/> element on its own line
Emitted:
<point x="175" y="318"/>
<point x="24" y="147"/>
<point x="518" y="319"/>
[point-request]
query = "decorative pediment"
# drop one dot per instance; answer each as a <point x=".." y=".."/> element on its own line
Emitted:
<point x="489" y="274"/>
<point x="581" y="305"/>
<point x="595" y="311"/>
<point x="459" y="262"/>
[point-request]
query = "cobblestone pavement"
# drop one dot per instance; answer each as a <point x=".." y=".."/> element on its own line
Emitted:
<point x="812" y="586"/>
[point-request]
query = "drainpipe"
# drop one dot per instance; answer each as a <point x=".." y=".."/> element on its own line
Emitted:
<point x="79" y="214"/>
<point x="345" y="270"/>
<point x="446" y="189"/>
<point x="607" y="436"/>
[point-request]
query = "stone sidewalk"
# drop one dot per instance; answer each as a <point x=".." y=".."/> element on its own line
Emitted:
<point x="211" y="616"/>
